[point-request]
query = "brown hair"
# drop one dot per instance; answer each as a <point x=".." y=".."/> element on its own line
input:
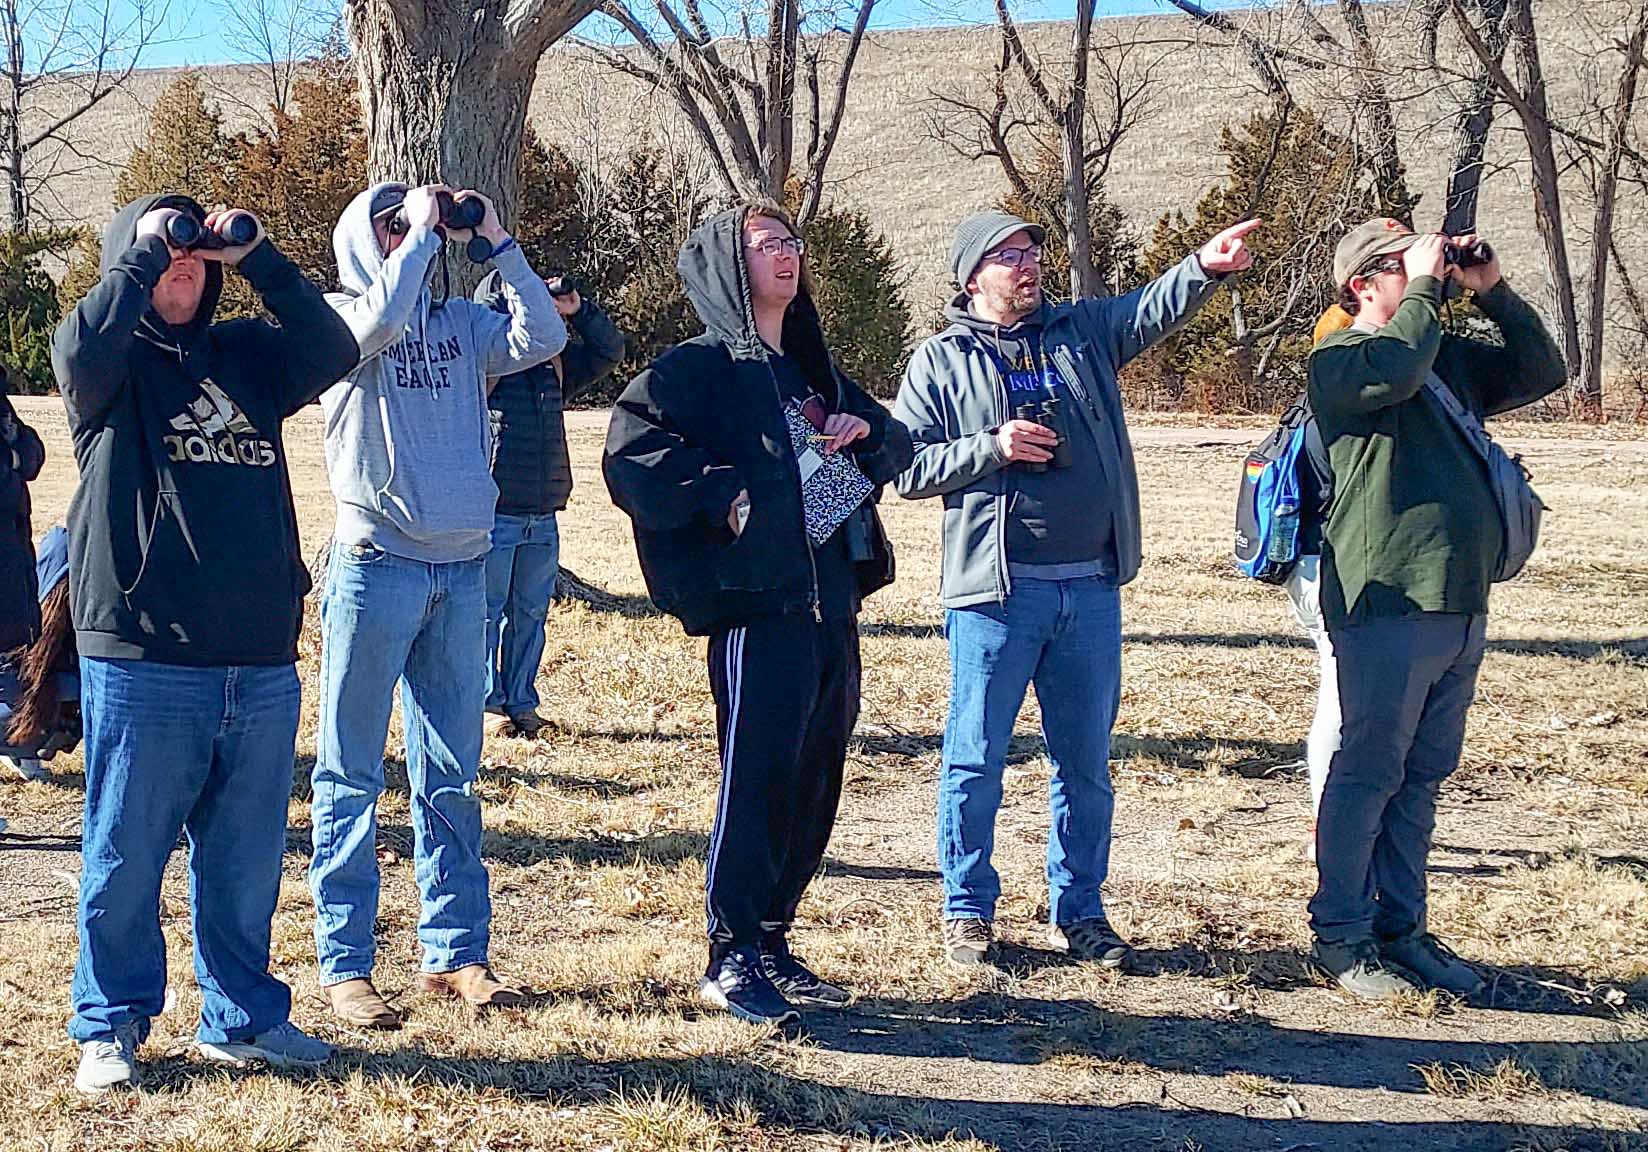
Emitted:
<point x="766" y="208"/>
<point x="37" y="667"/>
<point x="1349" y="300"/>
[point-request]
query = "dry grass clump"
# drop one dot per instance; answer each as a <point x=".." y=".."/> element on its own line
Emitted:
<point x="1506" y="1080"/>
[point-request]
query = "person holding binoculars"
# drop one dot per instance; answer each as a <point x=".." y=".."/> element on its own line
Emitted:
<point x="1017" y="422"/>
<point x="187" y="590"/>
<point x="408" y="454"/>
<point x="1410" y="548"/>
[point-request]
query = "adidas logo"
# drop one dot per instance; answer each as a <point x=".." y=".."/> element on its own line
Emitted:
<point x="212" y="429"/>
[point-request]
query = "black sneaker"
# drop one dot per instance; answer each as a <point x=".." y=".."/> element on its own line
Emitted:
<point x="736" y="984"/>
<point x="969" y="941"/>
<point x="1359" y="969"/>
<point x="1093" y="940"/>
<point x="1433" y="962"/>
<point x="795" y="981"/>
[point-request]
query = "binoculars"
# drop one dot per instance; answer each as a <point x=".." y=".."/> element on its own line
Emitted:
<point x="1049" y="413"/>
<point x="187" y="232"/>
<point x="455" y="214"/>
<point x="1469" y="255"/>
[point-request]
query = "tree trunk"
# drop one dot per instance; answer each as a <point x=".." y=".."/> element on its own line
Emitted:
<point x="444" y="88"/>
<point x="1470" y="130"/>
<point x="1391" y="185"/>
<point x="1077" y="212"/>
<point x="1534" y="112"/>
<point x="17" y="191"/>
<point x="1603" y="230"/>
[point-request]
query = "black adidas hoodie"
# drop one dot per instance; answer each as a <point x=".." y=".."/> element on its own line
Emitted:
<point x="702" y="422"/>
<point x="183" y="542"/>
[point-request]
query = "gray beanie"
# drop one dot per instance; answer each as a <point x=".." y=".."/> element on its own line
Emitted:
<point x="981" y="232"/>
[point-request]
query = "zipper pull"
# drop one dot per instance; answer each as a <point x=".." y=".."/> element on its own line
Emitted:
<point x="818" y="615"/>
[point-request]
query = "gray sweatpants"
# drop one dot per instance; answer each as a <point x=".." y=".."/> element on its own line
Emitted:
<point x="1404" y="688"/>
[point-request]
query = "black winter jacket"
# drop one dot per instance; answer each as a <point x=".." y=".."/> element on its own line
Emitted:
<point x="530" y="463"/>
<point x="702" y="422"/>
<point x="183" y="542"/>
<point x="21" y="457"/>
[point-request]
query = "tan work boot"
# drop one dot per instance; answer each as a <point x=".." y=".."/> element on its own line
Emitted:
<point x="357" y="1002"/>
<point x="473" y="983"/>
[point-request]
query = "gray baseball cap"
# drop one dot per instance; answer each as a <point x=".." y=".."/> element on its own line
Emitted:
<point x="1380" y="236"/>
<point x="981" y="232"/>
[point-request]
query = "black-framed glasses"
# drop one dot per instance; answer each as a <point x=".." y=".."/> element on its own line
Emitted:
<point x="1013" y="257"/>
<point x="773" y="245"/>
<point x="1381" y="266"/>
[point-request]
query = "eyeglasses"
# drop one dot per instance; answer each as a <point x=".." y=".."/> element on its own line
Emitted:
<point x="1013" y="257"/>
<point x="773" y="245"/>
<point x="1389" y="264"/>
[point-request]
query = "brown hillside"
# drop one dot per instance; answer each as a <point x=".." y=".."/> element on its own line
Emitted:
<point x="914" y="187"/>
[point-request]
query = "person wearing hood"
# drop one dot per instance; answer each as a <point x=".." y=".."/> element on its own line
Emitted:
<point x="1018" y="427"/>
<point x="187" y="585"/>
<point x="751" y="532"/>
<point x="408" y="453"/>
<point x="533" y="472"/>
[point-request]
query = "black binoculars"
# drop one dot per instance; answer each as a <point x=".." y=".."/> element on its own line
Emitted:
<point x="1468" y="255"/>
<point x="188" y="232"/>
<point x="460" y="214"/>
<point x="1049" y="413"/>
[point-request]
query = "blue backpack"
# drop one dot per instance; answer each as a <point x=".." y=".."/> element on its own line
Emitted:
<point x="1286" y="486"/>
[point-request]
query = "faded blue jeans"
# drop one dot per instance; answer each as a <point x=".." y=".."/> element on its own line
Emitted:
<point x="1065" y="637"/>
<point x="520" y="579"/>
<point x="386" y="619"/>
<point x="206" y="752"/>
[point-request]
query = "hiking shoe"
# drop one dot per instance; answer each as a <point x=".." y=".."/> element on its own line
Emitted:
<point x="528" y="723"/>
<point x="106" y="1064"/>
<point x="27" y="767"/>
<point x="357" y="1002"/>
<point x="795" y="981"/>
<point x="473" y="983"/>
<point x="736" y="983"/>
<point x="1093" y="940"/>
<point x="1433" y="962"/>
<point x="1359" y="969"/>
<point x="283" y="1046"/>
<point x="969" y="941"/>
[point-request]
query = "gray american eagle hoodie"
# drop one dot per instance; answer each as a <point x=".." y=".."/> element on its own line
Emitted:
<point x="408" y="441"/>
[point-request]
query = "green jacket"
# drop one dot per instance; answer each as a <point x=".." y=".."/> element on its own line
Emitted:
<point x="1413" y="526"/>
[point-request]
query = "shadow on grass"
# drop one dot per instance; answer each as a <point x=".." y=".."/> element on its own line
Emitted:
<point x="1016" y="1030"/>
<point x="732" y="1088"/>
<point x="1632" y="650"/>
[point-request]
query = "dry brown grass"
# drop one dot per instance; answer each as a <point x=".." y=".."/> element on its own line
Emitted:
<point x="595" y="839"/>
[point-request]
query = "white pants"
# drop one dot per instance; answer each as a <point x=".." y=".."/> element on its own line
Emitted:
<point x="1304" y="592"/>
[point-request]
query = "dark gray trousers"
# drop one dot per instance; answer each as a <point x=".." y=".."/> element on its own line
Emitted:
<point x="1404" y="687"/>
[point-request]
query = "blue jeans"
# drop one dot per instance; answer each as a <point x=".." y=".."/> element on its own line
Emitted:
<point x="206" y="752"/>
<point x="520" y="579"/>
<point x="1066" y="637"/>
<point x="385" y="619"/>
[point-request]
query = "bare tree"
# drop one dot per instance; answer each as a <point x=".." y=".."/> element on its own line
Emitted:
<point x="1027" y="117"/>
<point x="1374" y="106"/>
<point x="277" y="37"/>
<point x="1528" y="100"/>
<point x="62" y="59"/>
<point x="1477" y="105"/>
<point x="1602" y="230"/>
<point x="738" y="92"/>
<point x="444" y="86"/>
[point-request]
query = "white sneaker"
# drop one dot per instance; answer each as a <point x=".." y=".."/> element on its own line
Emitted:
<point x="27" y="768"/>
<point x="106" y="1064"/>
<point x="283" y="1046"/>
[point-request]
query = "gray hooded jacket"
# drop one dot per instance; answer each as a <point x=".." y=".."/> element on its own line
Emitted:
<point x="408" y="440"/>
<point x="953" y="400"/>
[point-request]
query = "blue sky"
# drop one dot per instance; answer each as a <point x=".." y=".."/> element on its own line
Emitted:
<point x="191" y="40"/>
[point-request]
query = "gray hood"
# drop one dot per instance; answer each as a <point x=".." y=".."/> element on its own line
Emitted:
<point x="355" y="244"/>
